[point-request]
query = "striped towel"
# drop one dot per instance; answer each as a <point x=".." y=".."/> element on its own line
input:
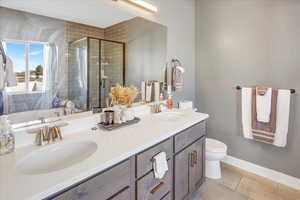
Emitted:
<point x="264" y="131"/>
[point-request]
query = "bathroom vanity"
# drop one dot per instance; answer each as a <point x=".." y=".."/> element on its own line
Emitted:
<point x="121" y="166"/>
<point x="134" y="179"/>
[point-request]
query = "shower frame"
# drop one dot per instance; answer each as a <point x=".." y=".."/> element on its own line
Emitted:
<point x="100" y="66"/>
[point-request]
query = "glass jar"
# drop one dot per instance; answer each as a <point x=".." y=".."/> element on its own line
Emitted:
<point x="7" y="142"/>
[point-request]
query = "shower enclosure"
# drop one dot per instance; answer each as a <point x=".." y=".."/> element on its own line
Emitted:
<point x="95" y="65"/>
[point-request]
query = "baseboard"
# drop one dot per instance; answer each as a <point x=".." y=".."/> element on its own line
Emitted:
<point x="264" y="172"/>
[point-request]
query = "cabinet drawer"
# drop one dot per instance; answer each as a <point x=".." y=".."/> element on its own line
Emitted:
<point x="189" y="136"/>
<point x="124" y="195"/>
<point x="144" y="159"/>
<point x="149" y="188"/>
<point x="102" y="186"/>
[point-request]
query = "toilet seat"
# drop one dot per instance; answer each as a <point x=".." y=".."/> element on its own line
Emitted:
<point x="215" y="146"/>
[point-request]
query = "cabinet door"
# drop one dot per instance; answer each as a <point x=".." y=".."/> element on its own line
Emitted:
<point x="196" y="166"/>
<point x="181" y="173"/>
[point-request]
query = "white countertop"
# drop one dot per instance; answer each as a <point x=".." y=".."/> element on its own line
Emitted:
<point x="113" y="147"/>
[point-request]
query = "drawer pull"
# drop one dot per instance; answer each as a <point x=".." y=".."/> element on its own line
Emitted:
<point x="195" y="157"/>
<point x="157" y="188"/>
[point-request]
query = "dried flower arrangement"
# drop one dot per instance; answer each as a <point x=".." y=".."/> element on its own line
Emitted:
<point x="121" y="95"/>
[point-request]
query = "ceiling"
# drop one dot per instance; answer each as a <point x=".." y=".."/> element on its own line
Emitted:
<point x="100" y="13"/>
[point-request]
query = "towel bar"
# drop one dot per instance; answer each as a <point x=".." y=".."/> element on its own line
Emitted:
<point x="293" y="91"/>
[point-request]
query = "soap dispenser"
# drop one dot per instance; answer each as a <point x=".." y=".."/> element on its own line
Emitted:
<point x="169" y="100"/>
<point x="7" y="139"/>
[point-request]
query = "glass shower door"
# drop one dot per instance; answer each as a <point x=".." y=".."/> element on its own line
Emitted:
<point x="94" y="73"/>
<point x="112" y="67"/>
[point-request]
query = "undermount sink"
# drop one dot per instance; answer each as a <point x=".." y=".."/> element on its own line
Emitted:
<point x="169" y="115"/>
<point x="56" y="157"/>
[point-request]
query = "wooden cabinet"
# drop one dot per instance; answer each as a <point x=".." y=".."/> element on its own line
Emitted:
<point x="188" y="136"/>
<point x="181" y="174"/>
<point x="196" y="166"/>
<point x="123" y="195"/>
<point x="150" y="188"/>
<point x="189" y="169"/>
<point x="133" y="179"/>
<point x="144" y="159"/>
<point x="100" y="187"/>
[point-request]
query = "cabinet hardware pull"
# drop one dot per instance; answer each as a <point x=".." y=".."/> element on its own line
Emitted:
<point x="195" y="157"/>
<point x="157" y="188"/>
<point x="191" y="159"/>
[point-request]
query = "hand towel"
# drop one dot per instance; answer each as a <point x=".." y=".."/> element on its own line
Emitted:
<point x="282" y="121"/>
<point x="156" y="91"/>
<point x="177" y="78"/>
<point x="148" y="91"/>
<point x="160" y="165"/>
<point x="263" y="104"/>
<point x="7" y="76"/>
<point x="283" y="113"/>
<point x="143" y="91"/>
<point x="264" y="132"/>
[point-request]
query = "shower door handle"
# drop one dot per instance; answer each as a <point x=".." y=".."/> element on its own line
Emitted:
<point x="102" y="83"/>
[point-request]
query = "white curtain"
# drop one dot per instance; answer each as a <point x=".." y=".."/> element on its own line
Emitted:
<point x="50" y="76"/>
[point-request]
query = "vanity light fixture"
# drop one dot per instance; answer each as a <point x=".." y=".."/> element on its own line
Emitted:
<point x="142" y="4"/>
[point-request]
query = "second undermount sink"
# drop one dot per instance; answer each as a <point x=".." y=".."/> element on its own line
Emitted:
<point x="169" y="115"/>
<point x="56" y="157"/>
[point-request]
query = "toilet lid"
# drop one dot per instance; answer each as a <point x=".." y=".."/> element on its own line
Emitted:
<point x="215" y="146"/>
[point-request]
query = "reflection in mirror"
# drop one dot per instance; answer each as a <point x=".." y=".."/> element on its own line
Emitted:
<point x="63" y="67"/>
<point x="89" y="59"/>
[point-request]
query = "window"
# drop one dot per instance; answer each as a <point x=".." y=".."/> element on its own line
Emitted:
<point x="28" y="62"/>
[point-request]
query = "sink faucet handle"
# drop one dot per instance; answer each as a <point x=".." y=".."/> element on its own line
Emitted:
<point x="56" y="133"/>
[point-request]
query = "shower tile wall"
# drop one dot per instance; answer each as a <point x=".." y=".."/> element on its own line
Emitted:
<point x="117" y="32"/>
<point x="114" y="51"/>
<point x="75" y="31"/>
<point x="111" y="52"/>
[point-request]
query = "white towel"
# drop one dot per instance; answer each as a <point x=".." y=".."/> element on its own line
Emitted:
<point x="143" y="91"/>
<point x="246" y="112"/>
<point x="282" y="120"/>
<point x="160" y="165"/>
<point x="283" y="113"/>
<point x="7" y="77"/>
<point x="148" y="92"/>
<point x="263" y="106"/>
<point x="156" y="91"/>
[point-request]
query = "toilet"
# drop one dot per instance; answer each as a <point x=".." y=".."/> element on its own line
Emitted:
<point x="215" y="152"/>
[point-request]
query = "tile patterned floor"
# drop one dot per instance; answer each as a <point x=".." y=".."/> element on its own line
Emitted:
<point x="237" y="184"/>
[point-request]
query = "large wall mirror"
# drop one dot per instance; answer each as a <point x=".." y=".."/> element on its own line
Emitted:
<point x="60" y="64"/>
